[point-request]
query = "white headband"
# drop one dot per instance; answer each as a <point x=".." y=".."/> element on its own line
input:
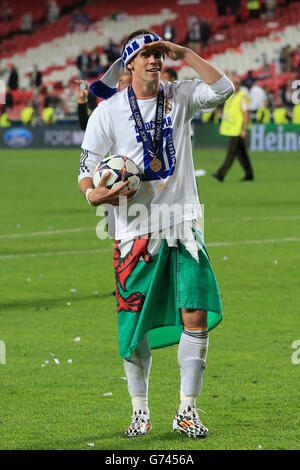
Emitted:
<point x="107" y="85"/>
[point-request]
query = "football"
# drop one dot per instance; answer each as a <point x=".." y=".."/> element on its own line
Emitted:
<point x="121" y="169"/>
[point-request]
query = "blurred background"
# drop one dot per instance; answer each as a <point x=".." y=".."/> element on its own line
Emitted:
<point x="46" y="46"/>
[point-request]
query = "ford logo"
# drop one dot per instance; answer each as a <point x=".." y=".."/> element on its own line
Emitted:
<point x="18" y="137"/>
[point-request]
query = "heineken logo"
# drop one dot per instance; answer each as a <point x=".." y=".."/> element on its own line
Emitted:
<point x="285" y="138"/>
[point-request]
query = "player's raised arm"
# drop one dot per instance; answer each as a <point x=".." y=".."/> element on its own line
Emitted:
<point x="208" y="72"/>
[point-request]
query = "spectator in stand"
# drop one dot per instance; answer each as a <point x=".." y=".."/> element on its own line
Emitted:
<point x="35" y="79"/>
<point x="257" y="99"/>
<point x="79" y="21"/>
<point x="287" y="95"/>
<point x="26" y="23"/>
<point x="268" y="9"/>
<point x="53" y="11"/>
<point x="221" y="7"/>
<point x="296" y="59"/>
<point x="205" y="32"/>
<point x="249" y="80"/>
<point x="95" y="67"/>
<point x="83" y="63"/>
<point x="13" y="80"/>
<point x="112" y="52"/>
<point x="87" y="101"/>
<point x="286" y="58"/>
<point x="6" y="12"/>
<point x="193" y="34"/>
<point x="9" y="100"/>
<point x="169" y="32"/>
<point x="233" y="6"/>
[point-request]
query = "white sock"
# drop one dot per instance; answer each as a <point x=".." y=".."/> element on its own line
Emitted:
<point x="137" y="369"/>
<point x="192" y="353"/>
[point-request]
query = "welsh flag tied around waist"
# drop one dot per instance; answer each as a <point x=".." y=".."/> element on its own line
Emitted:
<point x="153" y="282"/>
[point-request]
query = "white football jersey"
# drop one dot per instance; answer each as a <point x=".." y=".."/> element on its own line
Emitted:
<point x="169" y="196"/>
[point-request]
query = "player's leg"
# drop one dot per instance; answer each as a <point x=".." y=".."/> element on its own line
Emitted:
<point x="192" y="353"/>
<point x="230" y="156"/>
<point x="137" y="368"/>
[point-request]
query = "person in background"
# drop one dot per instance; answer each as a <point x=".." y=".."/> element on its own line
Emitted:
<point x="48" y="115"/>
<point x="4" y="119"/>
<point x="28" y="115"/>
<point x="257" y="99"/>
<point x="26" y="23"/>
<point x="263" y="114"/>
<point x="169" y="33"/>
<point x="53" y="11"/>
<point x="87" y="102"/>
<point x="13" y="80"/>
<point x="235" y="120"/>
<point x="83" y="63"/>
<point x="296" y="114"/>
<point x="35" y="79"/>
<point x="281" y="115"/>
<point x="169" y="75"/>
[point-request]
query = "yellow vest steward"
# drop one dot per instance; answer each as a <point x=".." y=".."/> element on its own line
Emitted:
<point x="296" y="114"/>
<point x="27" y="115"/>
<point x="263" y="115"/>
<point x="233" y="117"/>
<point x="253" y="5"/>
<point x="48" y="115"/>
<point x="279" y="116"/>
<point x="4" y="121"/>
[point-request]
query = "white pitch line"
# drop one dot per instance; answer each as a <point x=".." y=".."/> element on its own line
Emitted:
<point x="250" y="219"/>
<point x="105" y="250"/>
<point x="255" y="242"/>
<point x="88" y="229"/>
<point x="55" y="253"/>
<point x="48" y="232"/>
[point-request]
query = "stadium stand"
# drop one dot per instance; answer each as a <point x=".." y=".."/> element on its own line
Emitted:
<point x="238" y="42"/>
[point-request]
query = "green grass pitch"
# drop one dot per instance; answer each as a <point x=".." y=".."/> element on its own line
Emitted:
<point x="56" y="284"/>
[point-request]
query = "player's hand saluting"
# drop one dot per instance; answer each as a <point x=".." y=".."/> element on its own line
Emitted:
<point x="174" y="51"/>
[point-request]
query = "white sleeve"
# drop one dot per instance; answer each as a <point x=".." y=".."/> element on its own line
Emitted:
<point x="208" y="97"/>
<point x="88" y="163"/>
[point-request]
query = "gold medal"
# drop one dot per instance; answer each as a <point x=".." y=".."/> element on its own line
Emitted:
<point x="155" y="165"/>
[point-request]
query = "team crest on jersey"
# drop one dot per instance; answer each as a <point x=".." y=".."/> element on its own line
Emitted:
<point x="168" y="107"/>
<point x="131" y="118"/>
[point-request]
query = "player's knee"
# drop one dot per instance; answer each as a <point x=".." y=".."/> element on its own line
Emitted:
<point x="194" y="318"/>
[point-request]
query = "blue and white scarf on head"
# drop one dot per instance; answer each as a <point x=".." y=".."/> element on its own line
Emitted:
<point x="108" y="84"/>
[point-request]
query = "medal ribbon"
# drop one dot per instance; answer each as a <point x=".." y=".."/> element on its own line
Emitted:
<point x="154" y="148"/>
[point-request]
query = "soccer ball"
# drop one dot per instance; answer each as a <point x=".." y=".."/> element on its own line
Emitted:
<point x="121" y="169"/>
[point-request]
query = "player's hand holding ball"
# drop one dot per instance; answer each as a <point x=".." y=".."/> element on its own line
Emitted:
<point x="115" y="177"/>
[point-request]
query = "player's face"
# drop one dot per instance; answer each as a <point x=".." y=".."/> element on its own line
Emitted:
<point x="147" y="65"/>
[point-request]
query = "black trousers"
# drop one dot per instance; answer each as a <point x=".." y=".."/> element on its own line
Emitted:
<point x="236" y="148"/>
